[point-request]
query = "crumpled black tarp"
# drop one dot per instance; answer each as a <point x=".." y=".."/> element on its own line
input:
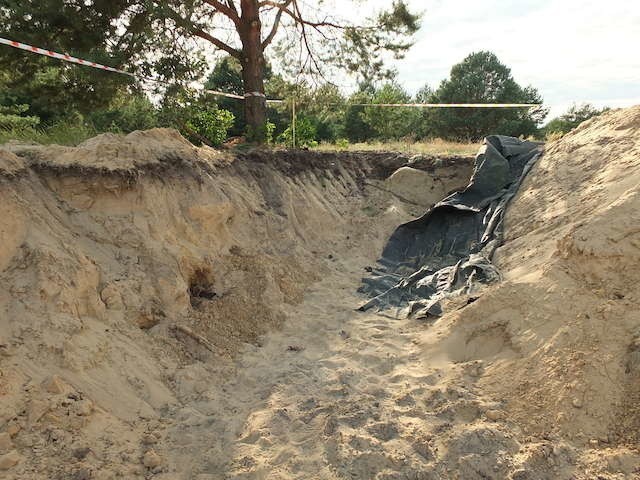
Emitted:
<point x="448" y="250"/>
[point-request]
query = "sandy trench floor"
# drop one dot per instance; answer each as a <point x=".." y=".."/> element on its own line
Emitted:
<point x="327" y="394"/>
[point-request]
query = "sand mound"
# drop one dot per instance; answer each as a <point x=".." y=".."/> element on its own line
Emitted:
<point x="109" y="153"/>
<point x="558" y="339"/>
<point x="575" y="245"/>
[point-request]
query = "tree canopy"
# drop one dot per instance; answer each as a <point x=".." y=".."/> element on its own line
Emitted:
<point x="167" y="40"/>
<point x="574" y="116"/>
<point x="482" y="78"/>
<point x="164" y="38"/>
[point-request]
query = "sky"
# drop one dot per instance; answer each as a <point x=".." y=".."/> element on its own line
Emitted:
<point x="570" y="50"/>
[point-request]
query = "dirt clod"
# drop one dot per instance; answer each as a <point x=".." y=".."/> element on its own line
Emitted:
<point x="151" y="459"/>
<point x="9" y="460"/>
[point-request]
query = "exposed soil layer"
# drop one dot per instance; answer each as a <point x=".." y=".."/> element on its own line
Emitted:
<point x="170" y="312"/>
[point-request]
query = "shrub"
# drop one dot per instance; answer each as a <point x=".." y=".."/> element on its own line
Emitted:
<point x="67" y="132"/>
<point x="391" y="123"/>
<point x="342" y="144"/>
<point x="12" y="118"/>
<point x="208" y="125"/>
<point x="126" y="115"/>
<point x="305" y="134"/>
<point x="270" y="128"/>
<point x="263" y="133"/>
<point x="573" y="117"/>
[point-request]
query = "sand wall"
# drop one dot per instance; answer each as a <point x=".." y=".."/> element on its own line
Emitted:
<point x="128" y="258"/>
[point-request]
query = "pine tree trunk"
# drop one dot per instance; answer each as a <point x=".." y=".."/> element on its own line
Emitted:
<point x="253" y="71"/>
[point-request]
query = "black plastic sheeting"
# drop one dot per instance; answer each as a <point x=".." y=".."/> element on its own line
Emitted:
<point x="448" y="250"/>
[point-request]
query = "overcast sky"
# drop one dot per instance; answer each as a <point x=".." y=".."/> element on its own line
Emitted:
<point x="570" y="50"/>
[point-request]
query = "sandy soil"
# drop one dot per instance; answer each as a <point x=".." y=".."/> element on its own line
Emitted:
<point x="191" y="316"/>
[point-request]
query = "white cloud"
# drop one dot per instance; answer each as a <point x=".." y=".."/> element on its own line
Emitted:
<point x="571" y="50"/>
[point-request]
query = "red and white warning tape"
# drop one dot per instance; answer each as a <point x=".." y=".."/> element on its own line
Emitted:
<point x="87" y="63"/>
<point x="61" y="56"/>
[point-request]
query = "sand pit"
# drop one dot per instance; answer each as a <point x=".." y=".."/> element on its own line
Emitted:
<point x="169" y="312"/>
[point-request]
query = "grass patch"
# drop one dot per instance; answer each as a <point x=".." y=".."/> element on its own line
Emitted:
<point x="431" y="147"/>
<point x="59" y="134"/>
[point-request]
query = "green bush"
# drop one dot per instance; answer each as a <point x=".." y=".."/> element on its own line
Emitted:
<point x="270" y="128"/>
<point x="199" y="120"/>
<point x="126" y="115"/>
<point x="342" y="144"/>
<point x="573" y="117"/>
<point x="261" y="134"/>
<point x="391" y="123"/>
<point x="208" y="125"/>
<point x="12" y="118"/>
<point x="305" y="134"/>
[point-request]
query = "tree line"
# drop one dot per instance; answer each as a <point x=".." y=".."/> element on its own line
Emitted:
<point x="159" y="39"/>
<point x="165" y="38"/>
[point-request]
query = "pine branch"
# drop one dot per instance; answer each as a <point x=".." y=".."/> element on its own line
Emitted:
<point x="232" y="6"/>
<point x="276" y="24"/>
<point x="217" y="42"/>
<point x="198" y="32"/>
<point x="225" y="9"/>
<point x="297" y="16"/>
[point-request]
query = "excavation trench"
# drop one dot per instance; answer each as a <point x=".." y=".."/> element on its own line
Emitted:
<point x="140" y="266"/>
<point x="177" y="313"/>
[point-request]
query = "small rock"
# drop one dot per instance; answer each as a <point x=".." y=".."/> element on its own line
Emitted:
<point x="9" y="460"/>
<point x="81" y="453"/>
<point x="13" y="428"/>
<point x="82" y="201"/>
<point x="5" y="442"/>
<point x="84" y="408"/>
<point x="149" y="439"/>
<point x="577" y="403"/>
<point x="82" y="474"/>
<point x="112" y="298"/>
<point x="105" y="475"/>
<point x="5" y="351"/>
<point x="151" y="459"/>
<point x="52" y="418"/>
<point x="494" y="415"/>
<point x="36" y="410"/>
<point x="54" y="384"/>
<point x="57" y="435"/>
<point x="520" y="474"/>
<point x="330" y="426"/>
<point x="147" y="320"/>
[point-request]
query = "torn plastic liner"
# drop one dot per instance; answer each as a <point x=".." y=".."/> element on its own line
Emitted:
<point x="448" y="250"/>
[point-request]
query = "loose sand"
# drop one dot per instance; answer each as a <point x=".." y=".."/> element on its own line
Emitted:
<point x="169" y="312"/>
